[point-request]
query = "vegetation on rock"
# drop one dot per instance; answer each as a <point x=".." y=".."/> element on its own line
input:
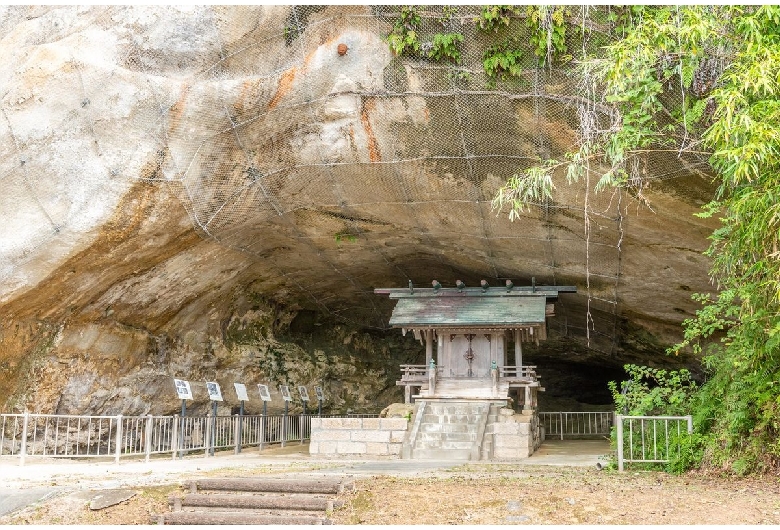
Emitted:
<point x="513" y="29"/>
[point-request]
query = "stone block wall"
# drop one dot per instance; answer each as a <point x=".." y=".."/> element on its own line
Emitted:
<point x="514" y="435"/>
<point x="357" y="436"/>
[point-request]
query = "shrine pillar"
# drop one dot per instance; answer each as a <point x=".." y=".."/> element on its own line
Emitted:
<point x="528" y="404"/>
<point x="428" y="346"/>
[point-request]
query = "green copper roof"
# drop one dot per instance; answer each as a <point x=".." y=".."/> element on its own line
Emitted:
<point x="455" y="311"/>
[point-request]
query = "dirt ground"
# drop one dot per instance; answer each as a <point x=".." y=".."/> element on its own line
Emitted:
<point x="487" y="494"/>
<point x="74" y="509"/>
<point x="546" y="495"/>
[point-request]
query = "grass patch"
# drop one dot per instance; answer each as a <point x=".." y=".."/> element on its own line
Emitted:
<point x="356" y="509"/>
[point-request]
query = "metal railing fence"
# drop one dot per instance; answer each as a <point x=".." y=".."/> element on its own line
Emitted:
<point x="650" y="439"/>
<point x="145" y="435"/>
<point x="577" y="424"/>
<point x="70" y="436"/>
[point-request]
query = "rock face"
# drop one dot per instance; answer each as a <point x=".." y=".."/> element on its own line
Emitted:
<point x="212" y="193"/>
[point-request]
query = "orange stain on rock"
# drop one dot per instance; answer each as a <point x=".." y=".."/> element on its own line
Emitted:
<point x="373" y="148"/>
<point x="352" y="136"/>
<point x="285" y="83"/>
<point x="244" y="95"/>
<point x="177" y="109"/>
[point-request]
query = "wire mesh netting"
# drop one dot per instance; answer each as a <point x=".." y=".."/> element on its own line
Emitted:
<point x="341" y="173"/>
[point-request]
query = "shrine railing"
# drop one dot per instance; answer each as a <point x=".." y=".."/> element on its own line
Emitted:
<point x="418" y="373"/>
<point x="518" y="372"/>
<point x="414" y="372"/>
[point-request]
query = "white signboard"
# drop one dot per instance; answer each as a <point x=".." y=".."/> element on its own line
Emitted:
<point x="304" y="393"/>
<point x="215" y="394"/>
<point x="285" y="390"/>
<point x="318" y="391"/>
<point x="183" y="389"/>
<point x="265" y="395"/>
<point x="241" y="391"/>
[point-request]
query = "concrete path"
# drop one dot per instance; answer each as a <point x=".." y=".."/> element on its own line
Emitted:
<point x="40" y="479"/>
<point x="13" y="499"/>
<point x="570" y="453"/>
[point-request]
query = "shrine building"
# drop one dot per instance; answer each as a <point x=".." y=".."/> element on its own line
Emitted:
<point x="470" y="335"/>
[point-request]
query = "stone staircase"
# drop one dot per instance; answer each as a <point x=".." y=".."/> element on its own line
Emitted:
<point x="451" y="429"/>
<point x="219" y="501"/>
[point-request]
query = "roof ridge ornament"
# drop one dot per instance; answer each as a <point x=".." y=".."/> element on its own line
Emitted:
<point x="484" y="290"/>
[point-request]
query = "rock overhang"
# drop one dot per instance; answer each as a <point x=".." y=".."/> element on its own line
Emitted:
<point x="270" y="163"/>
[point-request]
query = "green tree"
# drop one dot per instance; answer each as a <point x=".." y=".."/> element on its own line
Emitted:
<point x="704" y="80"/>
<point x="653" y="391"/>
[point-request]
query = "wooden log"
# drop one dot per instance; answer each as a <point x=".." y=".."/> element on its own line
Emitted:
<point x="267" y="502"/>
<point x="214" y="518"/>
<point x="268" y="485"/>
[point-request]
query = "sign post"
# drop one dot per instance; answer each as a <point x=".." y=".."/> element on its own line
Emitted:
<point x="242" y="396"/>
<point x="318" y="392"/>
<point x="304" y="397"/>
<point x="215" y="394"/>
<point x="302" y="419"/>
<point x="265" y="396"/>
<point x="285" y="391"/>
<point x="184" y="392"/>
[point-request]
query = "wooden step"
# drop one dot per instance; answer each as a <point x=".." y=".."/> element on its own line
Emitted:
<point x="252" y="511"/>
<point x="255" y="500"/>
<point x="323" y="486"/>
<point x="221" y="518"/>
<point x="258" y="502"/>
